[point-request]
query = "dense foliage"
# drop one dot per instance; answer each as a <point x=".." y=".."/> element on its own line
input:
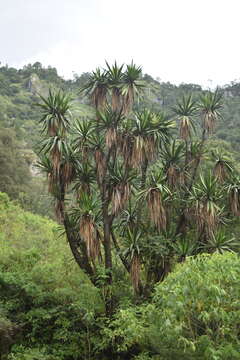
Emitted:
<point x="194" y="314"/>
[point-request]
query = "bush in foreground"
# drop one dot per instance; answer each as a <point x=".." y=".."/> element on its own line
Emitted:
<point x="195" y="314"/>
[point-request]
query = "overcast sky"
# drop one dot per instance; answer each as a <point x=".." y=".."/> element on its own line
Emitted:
<point x="176" y="40"/>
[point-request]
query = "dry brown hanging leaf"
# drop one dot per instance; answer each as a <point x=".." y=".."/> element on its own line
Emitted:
<point x="56" y="159"/>
<point x="209" y="122"/>
<point x="205" y="218"/>
<point x="111" y="137"/>
<point x="59" y="210"/>
<point x="235" y="202"/>
<point x="99" y="98"/>
<point x="138" y="152"/>
<point x="116" y="100"/>
<point x="88" y="233"/>
<point x="128" y="101"/>
<point x="220" y="172"/>
<point x="67" y="172"/>
<point x="172" y="176"/>
<point x="184" y="128"/>
<point x="100" y="164"/>
<point x="51" y="182"/>
<point x="120" y="196"/>
<point x="135" y="272"/>
<point x="126" y="149"/>
<point x="150" y="148"/>
<point x="83" y="189"/>
<point x="156" y="209"/>
<point x="52" y="130"/>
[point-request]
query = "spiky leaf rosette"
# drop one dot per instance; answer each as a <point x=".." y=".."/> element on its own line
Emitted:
<point x="82" y="131"/>
<point x="115" y="78"/>
<point x="185" y="111"/>
<point x="97" y="88"/>
<point x="55" y="113"/>
<point x="220" y="242"/>
<point x="84" y="178"/>
<point x="209" y="106"/>
<point x="108" y="123"/>
<point x="131" y="86"/>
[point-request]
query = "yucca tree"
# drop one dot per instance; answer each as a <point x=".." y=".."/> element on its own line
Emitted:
<point x="122" y="175"/>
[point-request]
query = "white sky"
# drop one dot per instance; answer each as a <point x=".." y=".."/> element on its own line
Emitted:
<point x="176" y="40"/>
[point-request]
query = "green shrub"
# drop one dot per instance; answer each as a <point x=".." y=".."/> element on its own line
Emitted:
<point x="195" y="314"/>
